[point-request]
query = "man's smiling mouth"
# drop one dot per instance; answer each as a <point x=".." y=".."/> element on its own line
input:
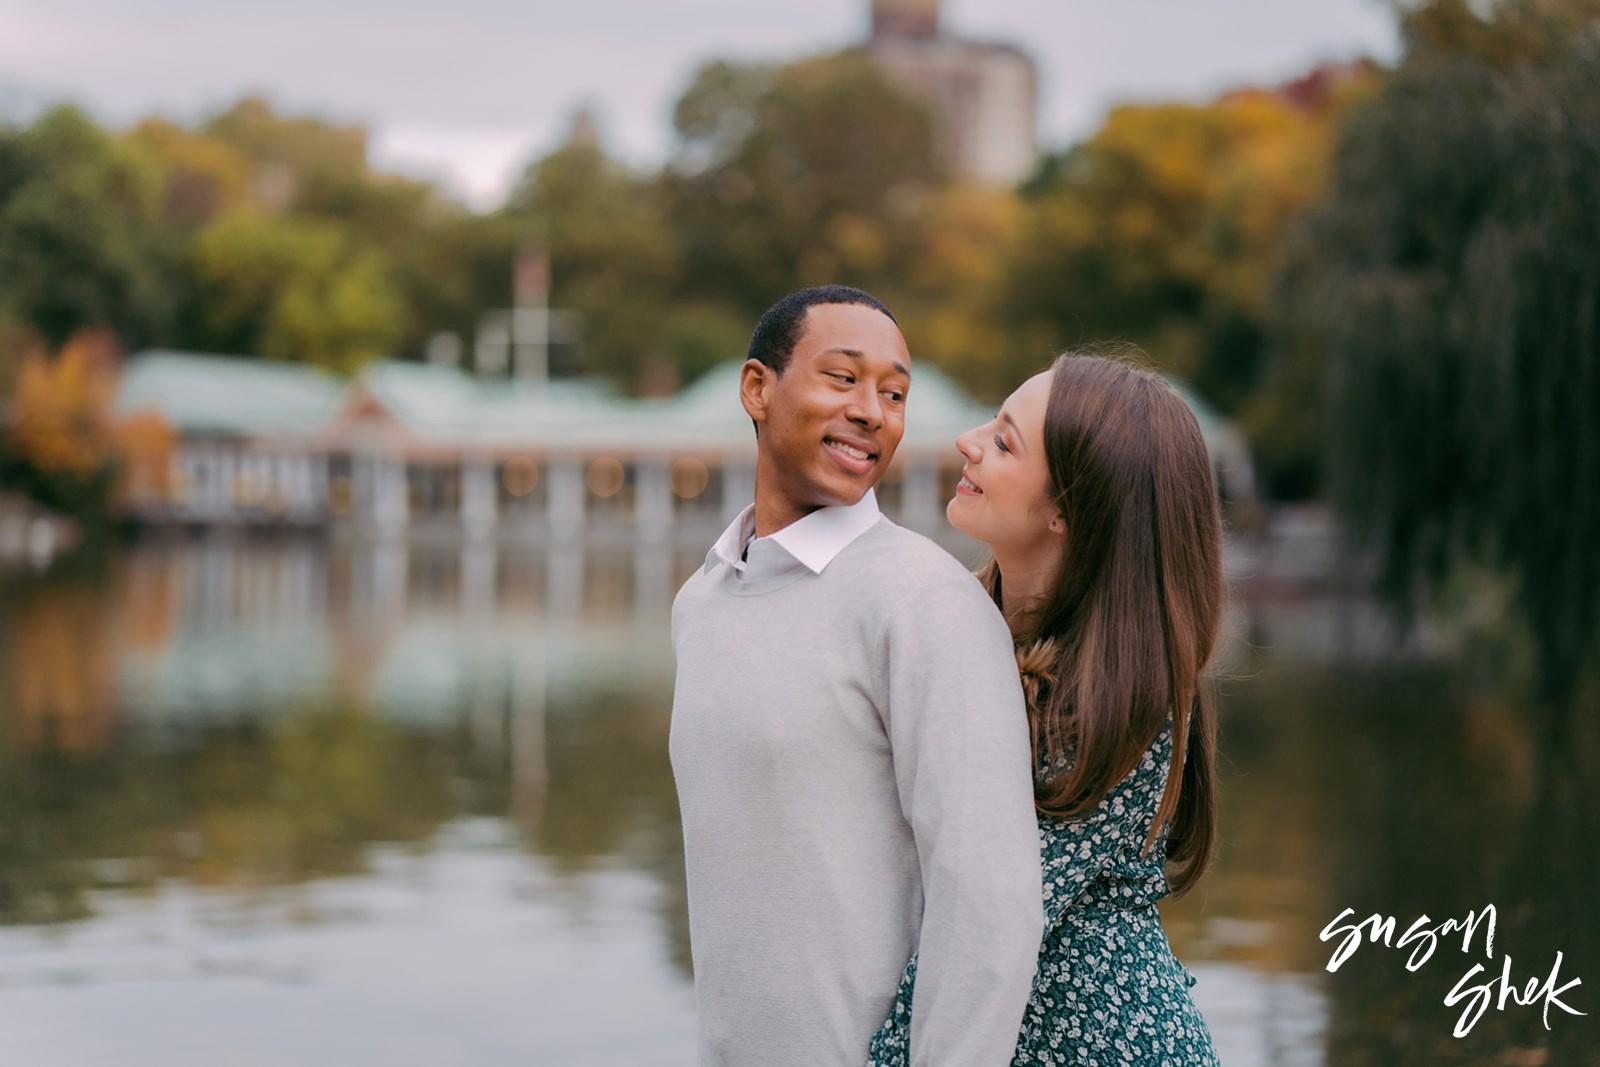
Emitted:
<point x="853" y="456"/>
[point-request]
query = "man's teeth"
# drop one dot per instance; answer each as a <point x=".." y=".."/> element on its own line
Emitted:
<point x="848" y="450"/>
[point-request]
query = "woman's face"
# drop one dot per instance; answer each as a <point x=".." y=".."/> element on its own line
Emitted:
<point x="1003" y="497"/>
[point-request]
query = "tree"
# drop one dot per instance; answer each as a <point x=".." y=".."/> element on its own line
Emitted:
<point x="1452" y="283"/>
<point x="1162" y="228"/>
<point x="952" y="300"/>
<point x="448" y="264"/>
<point x="64" y="446"/>
<point x="79" y="244"/>
<point x="299" y="290"/>
<point x="613" y="256"/>
<point x="786" y="176"/>
<point x="202" y="178"/>
<point x="288" y="152"/>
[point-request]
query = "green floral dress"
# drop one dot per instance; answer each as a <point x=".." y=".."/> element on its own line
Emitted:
<point x="1108" y="989"/>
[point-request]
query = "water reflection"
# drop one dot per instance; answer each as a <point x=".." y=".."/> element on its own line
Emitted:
<point x="231" y="769"/>
<point x="1401" y="790"/>
<point x="1452" y="801"/>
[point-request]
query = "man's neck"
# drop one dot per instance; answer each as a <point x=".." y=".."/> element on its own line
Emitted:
<point x="772" y="516"/>
<point x="776" y="509"/>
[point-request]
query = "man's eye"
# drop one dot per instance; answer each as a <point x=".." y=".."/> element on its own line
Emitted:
<point x="896" y="396"/>
<point x="845" y="378"/>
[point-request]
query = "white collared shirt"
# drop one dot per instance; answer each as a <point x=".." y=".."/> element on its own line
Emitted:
<point x="811" y="542"/>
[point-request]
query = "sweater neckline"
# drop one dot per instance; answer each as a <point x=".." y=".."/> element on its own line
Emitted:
<point x="759" y="587"/>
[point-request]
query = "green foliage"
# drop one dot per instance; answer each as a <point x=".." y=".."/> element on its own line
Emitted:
<point x="613" y="256"/>
<point x="951" y="304"/>
<point x="289" y="151"/>
<point x="1452" y="283"/>
<point x="285" y="244"/>
<point x="201" y="178"/>
<point x="298" y="290"/>
<point x="447" y="265"/>
<point x="83" y="495"/>
<point x="1502" y="33"/>
<point x="450" y="272"/>
<point x="271" y="236"/>
<point x="819" y="171"/>
<point x="697" y="337"/>
<point x="784" y="176"/>
<point x="1162" y="228"/>
<point x="306" y="797"/>
<point x="78" y="239"/>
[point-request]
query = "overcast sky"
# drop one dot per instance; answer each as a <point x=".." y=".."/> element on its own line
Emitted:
<point x="467" y="92"/>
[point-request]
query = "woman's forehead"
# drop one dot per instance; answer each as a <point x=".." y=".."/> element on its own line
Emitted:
<point x="1027" y="405"/>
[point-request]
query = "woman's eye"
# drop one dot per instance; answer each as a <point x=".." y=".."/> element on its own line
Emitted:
<point x="1000" y="443"/>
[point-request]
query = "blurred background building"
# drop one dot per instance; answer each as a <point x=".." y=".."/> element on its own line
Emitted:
<point x="431" y="452"/>
<point x="983" y="93"/>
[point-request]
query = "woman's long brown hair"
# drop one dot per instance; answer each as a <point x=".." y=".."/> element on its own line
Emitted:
<point x="1120" y="643"/>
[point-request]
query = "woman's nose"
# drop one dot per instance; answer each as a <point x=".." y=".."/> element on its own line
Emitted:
<point x="967" y="445"/>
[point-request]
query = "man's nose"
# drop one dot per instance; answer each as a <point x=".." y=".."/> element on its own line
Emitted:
<point x="866" y="408"/>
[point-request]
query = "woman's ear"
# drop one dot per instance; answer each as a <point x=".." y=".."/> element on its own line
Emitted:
<point x="755" y="379"/>
<point x="1057" y="524"/>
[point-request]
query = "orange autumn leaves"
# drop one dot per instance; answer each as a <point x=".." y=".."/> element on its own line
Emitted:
<point x="61" y="419"/>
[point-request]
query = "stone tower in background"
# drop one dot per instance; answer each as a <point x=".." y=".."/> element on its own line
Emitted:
<point x="983" y="94"/>
<point x="905" y="18"/>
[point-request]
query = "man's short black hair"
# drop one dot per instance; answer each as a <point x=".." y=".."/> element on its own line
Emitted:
<point x="781" y="326"/>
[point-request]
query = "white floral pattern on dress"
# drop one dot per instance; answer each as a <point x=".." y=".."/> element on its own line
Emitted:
<point x="1108" y="989"/>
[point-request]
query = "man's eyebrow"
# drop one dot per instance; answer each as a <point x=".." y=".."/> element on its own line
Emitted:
<point x="856" y="353"/>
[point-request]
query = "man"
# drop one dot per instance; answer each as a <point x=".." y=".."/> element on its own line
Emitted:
<point x="848" y="737"/>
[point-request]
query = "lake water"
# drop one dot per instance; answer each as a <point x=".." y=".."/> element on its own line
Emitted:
<point x="272" y="803"/>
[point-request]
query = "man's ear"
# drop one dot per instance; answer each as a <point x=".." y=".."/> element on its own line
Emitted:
<point x="755" y="384"/>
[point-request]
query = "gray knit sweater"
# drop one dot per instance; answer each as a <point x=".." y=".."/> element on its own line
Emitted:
<point x="853" y="768"/>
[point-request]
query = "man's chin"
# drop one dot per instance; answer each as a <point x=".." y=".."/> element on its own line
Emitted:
<point x="827" y="487"/>
<point x="845" y="493"/>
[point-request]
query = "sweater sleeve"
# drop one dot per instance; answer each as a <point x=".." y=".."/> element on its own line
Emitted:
<point x="962" y="763"/>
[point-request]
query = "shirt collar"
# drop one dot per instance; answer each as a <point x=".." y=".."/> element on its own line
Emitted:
<point x="729" y="548"/>
<point x="812" y="541"/>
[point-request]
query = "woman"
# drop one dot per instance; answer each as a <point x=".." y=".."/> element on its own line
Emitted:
<point x="1094" y="491"/>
